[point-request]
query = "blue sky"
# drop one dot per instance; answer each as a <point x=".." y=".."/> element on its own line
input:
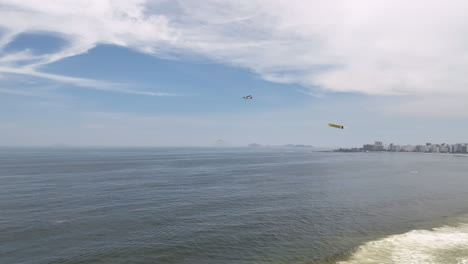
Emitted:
<point x="173" y="73"/>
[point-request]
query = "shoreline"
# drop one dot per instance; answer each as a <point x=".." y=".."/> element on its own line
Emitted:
<point x="402" y="152"/>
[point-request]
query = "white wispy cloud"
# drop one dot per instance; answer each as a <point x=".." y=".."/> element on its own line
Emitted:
<point x="83" y="24"/>
<point x="17" y="92"/>
<point x="372" y="47"/>
<point x="378" y="47"/>
<point x="83" y="82"/>
<point x="440" y="106"/>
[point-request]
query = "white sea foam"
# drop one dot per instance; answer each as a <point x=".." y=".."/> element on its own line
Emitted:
<point x="437" y="246"/>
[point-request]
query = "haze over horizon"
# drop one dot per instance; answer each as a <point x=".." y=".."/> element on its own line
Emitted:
<point x="173" y="73"/>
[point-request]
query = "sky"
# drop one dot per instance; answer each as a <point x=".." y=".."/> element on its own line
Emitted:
<point x="173" y="72"/>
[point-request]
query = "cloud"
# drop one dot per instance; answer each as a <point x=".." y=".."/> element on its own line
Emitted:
<point x="429" y="106"/>
<point x="17" y="92"/>
<point x="84" y="25"/>
<point x="83" y="82"/>
<point x="373" y="46"/>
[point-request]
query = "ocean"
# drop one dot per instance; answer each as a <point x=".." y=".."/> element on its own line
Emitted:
<point x="230" y="206"/>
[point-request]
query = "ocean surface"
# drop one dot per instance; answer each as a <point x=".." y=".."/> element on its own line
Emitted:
<point x="231" y="205"/>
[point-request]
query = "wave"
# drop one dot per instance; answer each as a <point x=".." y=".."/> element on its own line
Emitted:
<point x="447" y="244"/>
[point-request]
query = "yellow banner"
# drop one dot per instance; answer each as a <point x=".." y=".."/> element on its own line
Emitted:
<point x="337" y="126"/>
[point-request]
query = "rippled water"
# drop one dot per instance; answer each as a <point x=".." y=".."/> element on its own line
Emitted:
<point x="235" y="205"/>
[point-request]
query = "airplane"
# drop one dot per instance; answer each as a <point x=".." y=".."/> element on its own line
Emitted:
<point x="247" y="97"/>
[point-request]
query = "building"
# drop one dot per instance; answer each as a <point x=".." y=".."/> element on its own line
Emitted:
<point x="378" y="146"/>
<point x="428" y="147"/>
<point x="408" y="148"/>
<point x="368" y="147"/>
<point x="420" y="148"/>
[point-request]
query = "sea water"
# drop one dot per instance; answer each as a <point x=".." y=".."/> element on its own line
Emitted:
<point x="231" y="205"/>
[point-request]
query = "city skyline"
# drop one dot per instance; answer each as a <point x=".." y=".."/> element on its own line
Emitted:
<point x="427" y="147"/>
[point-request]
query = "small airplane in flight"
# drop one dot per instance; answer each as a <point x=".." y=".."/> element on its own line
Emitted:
<point x="247" y="97"/>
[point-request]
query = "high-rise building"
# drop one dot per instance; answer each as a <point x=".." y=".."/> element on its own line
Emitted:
<point x="458" y="148"/>
<point x="378" y="146"/>
<point x="420" y="148"/>
<point x="444" y="149"/>
<point x="368" y="147"/>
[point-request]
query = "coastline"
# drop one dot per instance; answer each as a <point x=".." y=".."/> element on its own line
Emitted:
<point x="401" y="152"/>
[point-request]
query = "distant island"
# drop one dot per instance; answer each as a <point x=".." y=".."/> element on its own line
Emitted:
<point x="427" y="148"/>
<point x="221" y="143"/>
<point x="255" y="145"/>
<point x="298" y="146"/>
